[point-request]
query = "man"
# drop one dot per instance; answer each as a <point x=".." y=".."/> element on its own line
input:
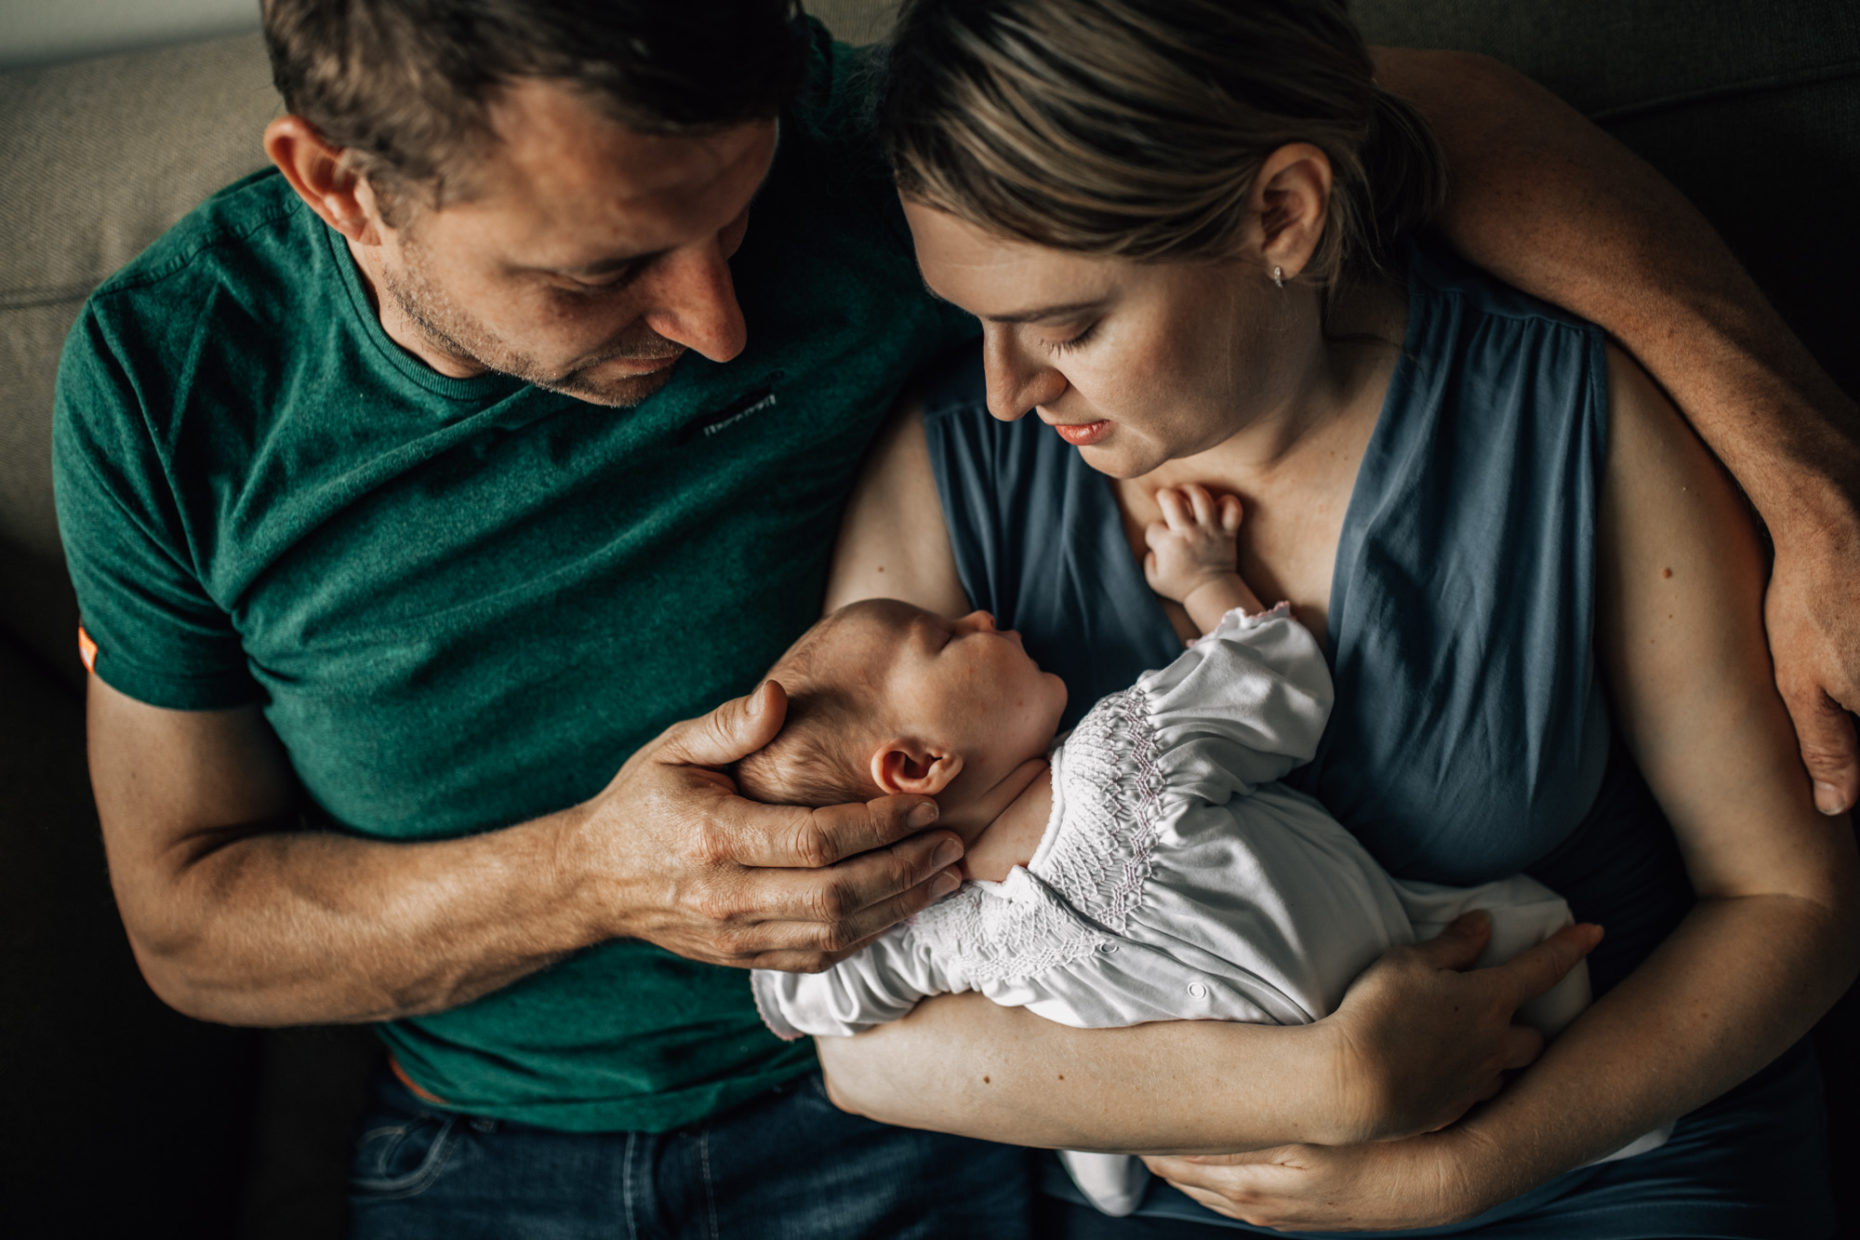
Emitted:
<point x="415" y="488"/>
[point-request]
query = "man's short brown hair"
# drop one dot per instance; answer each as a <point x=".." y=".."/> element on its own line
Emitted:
<point x="407" y="86"/>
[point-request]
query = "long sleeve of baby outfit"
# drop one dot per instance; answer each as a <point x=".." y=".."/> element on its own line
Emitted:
<point x="877" y="984"/>
<point x="1241" y="707"/>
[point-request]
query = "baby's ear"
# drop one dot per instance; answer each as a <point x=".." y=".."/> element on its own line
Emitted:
<point x="913" y="767"/>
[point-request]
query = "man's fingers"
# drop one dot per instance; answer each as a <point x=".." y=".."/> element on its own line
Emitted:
<point x="793" y="837"/>
<point x="874" y="920"/>
<point x="1459" y="944"/>
<point x="1538" y="969"/>
<point x="841" y="895"/>
<point x="730" y="733"/>
<point x="1825" y="732"/>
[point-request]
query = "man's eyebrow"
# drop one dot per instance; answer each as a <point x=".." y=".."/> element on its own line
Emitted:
<point x="605" y="266"/>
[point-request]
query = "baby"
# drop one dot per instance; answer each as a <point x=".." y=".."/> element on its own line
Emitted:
<point x="1147" y="867"/>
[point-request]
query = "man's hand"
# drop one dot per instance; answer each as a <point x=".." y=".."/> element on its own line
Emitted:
<point x="1812" y="612"/>
<point x="676" y="857"/>
<point x="1422" y="1037"/>
<point x="1389" y="1185"/>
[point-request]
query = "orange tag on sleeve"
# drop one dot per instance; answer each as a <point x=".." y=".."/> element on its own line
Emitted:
<point x="87" y="650"/>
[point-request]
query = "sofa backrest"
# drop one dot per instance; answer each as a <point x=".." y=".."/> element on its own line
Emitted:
<point x="101" y="157"/>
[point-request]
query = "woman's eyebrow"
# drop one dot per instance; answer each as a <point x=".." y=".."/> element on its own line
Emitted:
<point x="1045" y="312"/>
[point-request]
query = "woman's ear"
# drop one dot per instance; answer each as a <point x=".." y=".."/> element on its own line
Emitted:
<point x="321" y="176"/>
<point x="1291" y="197"/>
<point x="910" y="766"/>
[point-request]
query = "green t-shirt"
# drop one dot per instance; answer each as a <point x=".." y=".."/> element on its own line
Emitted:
<point x="464" y="603"/>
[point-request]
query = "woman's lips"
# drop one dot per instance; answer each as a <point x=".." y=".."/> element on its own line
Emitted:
<point x="1080" y="434"/>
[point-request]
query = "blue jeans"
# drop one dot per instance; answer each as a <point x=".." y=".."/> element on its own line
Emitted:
<point x="788" y="1166"/>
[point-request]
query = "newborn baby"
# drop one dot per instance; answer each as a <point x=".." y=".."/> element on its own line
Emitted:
<point x="1147" y="867"/>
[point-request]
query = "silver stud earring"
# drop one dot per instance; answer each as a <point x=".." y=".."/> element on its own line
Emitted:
<point x="1278" y="276"/>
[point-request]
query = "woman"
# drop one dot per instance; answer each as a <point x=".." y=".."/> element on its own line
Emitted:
<point x="1179" y="223"/>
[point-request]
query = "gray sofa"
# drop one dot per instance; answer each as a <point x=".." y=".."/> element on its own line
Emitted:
<point x="126" y="1117"/>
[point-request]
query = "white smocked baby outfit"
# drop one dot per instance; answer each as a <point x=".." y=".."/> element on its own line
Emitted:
<point x="1176" y="880"/>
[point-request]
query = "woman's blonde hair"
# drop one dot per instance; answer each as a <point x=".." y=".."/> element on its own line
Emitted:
<point x="1136" y="128"/>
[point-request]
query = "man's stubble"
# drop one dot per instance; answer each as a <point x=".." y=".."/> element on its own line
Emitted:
<point x="453" y="329"/>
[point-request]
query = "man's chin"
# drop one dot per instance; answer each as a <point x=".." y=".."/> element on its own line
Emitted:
<point x="616" y="391"/>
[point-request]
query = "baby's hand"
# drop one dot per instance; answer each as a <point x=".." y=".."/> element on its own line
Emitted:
<point x="1194" y="557"/>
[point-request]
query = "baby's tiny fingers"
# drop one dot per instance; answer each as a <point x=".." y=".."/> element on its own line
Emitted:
<point x="1202" y="503"/>
<point x="1174" y="511"/>
<point x="1230" y="513"/>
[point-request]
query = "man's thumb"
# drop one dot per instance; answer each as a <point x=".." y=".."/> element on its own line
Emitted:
<point x="1829" y="751"/>
<point x="730" y="733"/>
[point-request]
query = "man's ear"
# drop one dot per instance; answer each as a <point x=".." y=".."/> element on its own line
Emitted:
<point x="1292" y="200"/>
<point x="913" y="767"/>
<point x="322" y="178"/>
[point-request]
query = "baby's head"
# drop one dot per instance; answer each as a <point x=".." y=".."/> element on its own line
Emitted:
<point x="885" y="697"/>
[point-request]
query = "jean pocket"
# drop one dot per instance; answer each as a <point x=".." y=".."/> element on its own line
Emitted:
<point x="402" y="1159"/>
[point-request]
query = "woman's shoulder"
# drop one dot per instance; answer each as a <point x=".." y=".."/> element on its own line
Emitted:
<point x="1435" y="272"/>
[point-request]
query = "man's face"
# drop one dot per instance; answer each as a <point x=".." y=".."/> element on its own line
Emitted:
<point x="588" y="258"/>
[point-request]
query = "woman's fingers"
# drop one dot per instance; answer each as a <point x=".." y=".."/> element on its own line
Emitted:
<point x="1537" y="969"/>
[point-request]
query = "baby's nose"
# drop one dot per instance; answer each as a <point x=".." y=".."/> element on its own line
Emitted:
<point x="980" y="620"/>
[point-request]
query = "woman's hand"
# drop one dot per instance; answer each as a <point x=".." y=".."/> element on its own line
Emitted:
<point x="1420" y="1037"/>
<point x="1420" y="1182"/>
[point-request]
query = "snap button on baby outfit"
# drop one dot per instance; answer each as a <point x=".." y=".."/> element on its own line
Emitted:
<point x="1198" y="990"/>
<point x="1107" y="948"/>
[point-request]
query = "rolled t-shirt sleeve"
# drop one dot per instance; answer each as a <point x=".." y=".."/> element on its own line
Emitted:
<point x="158" y="636"/>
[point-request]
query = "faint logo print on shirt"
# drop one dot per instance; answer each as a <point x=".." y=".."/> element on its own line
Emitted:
<point x="709" y="425"/>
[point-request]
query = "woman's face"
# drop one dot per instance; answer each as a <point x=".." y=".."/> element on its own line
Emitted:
<point x="1133" y="363"/>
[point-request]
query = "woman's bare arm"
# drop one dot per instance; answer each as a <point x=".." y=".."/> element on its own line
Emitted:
<point x="1775" y="936"/>
<point x="1549" y="202"/>
<point x="893" y="540"/>
<point x="1772" y="941"/>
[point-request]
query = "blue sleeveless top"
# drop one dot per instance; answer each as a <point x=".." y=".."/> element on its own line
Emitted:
<point x="1471" y="736"/>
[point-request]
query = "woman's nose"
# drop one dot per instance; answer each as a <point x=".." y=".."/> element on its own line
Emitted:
<point x="1016" y="383"/>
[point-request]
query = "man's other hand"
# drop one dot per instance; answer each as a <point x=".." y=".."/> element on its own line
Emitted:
<point x="1812" y="612"/>
<point x="674" y="856"/>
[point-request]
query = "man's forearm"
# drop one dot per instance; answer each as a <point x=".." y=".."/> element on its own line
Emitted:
<point x="1549" y="202"/>
<point x="300" y="926"/>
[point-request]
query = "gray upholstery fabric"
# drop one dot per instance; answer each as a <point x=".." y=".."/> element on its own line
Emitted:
<point x="100" y="157"/>
<point x="855" y="21"/>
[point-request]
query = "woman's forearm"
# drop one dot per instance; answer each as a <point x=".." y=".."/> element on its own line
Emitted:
<point x="1418" y="1039"/>
<point x="963" y="1064"/>
<point x="1734" y="986"/>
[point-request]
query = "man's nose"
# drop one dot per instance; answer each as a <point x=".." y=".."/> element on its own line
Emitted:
<point x="697" y="304"/>
<point x="1016" y="383"/>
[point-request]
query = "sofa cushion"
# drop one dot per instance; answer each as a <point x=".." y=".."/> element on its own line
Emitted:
<point x="101" y="157"/>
